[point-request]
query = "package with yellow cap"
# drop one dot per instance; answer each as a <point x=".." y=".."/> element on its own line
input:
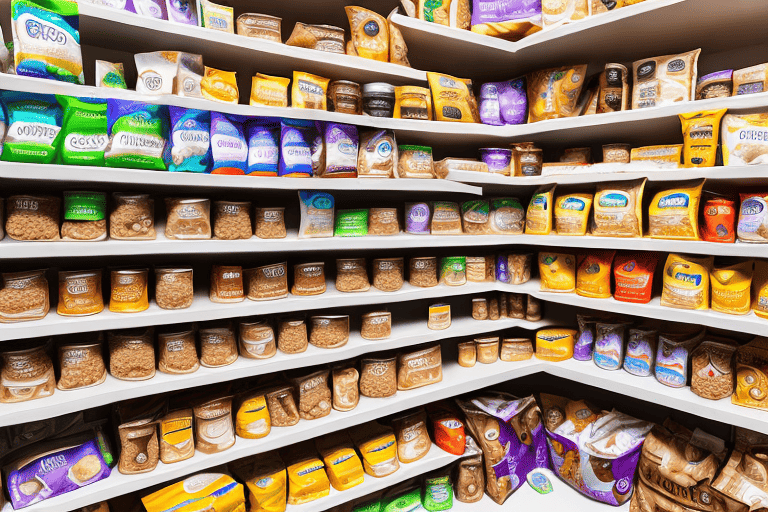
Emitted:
<point x="731" y="288"/>
<point x="344" y="468"/>
<point x="204" y="491"/>
<point x="378" y="446"/>
<point x="220" y="86"/>
<point x="265" y="477"/>
<point x="686" y="282"/>
<point x="271" y="91"/>
<point x="307" y="479"/>
<point x="557" y="271"/>
<point x="674" y="213"/>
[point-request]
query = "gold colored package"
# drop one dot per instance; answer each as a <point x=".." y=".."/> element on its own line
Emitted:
<point x="559" y="12"/>
<point x="309" y="91"/>
<point x="674" y="213"/>
<point x="259" y="26"/>
<point x="177" y="440"/>
<point x="686" y="282"/>
<point x="664" y="80"/>
<point x="618" y="209"/>
<point x="614" y="89"/>
<point x="510" y="30"/>
<point x="593" y="276"/>
<point x="218" y="17"/>
<point x="750" y="80"/>
<point x="452" y="99"/>
<point x="659" y="156"/>
<point x="745" y="139"/>
<point x="252" y="419"/>
<point x="378" y="446"/>
<point x="413" y="102"/>
<point x="731" y="288"/>
<point x="751" y="378"/>
<point x="701" y="131"/>
<point x="420" y="368"/>
<point x="265" y="477"/>
<point x="343" y="466"/>
<point x="208" y="491"/>
<point x="538" y="219"/>
<point x="220" y="86"/>
<point x="271" y="91"/>
<point x="760" y="289"/>
<point x="370" y="33"/>
<point x="557" y="271"/>
<point x="307" y="479"/>
<point x="572" y="214"/>
<point x="398" y="50"/>
<point x="554" y="93"/>
<point x="325" y="38"/>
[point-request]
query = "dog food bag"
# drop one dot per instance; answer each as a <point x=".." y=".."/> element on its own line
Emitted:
<point x="229" y="148"/>
<point x="265" y="477"/>
<point x="557" y="271"/>
<point x="731" y="288"/>
<point x="213" y="491"/>
<point x="719" y="215"/>
<point x="674" y="213"/>
<point x="633" y="274"/>
<point x="508" y="19"/>
<point x="378" y="446"/>
<point x="593" y="276"/>
<point x="84" y="130"/>
<point x="673" y="357"/>
<point x="665" y="80"/>
<point x="190" y="140"/>
<point x="686" y="282"/>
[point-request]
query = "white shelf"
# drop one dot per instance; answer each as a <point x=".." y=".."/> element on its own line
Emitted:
<point x="114" y="390"/>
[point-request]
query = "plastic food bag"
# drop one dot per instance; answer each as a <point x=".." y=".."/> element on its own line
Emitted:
<point x="560" y="12"/>
<point x="269" y="90"/>
<point x="753" y="218"/>
<point x="633" y="274"/>
<point x="506" y="19"/>
<point x="731" y="288"/>
<point x="263" y="147"/>
<point x="34" y="125"/>
<point x="377" y="156"/>
<point x="110" y="74"/>
<point x="295" y="148"/>
<point x="507" y="216"/>
<point x="686" y="282"/>
<point x="557" y="271"/>
<point x="504" y="102"/>
<point x="554" y="93"/>
<point x="572" y="214"/>
<point x="309" y="91"/>
<point x="618" y="209"/>
<point x="182" y="11"/>
<point x="701" y="131"/>
<point x="137" y="134"/>
<point x="674" y="213"/>
<point x="750" y="80"/>
<point x="85" y="131"/>
<point x="665" y="80"/>
<point x="217" y="17"/>
<point x="211" y="491"/>
<point x="538" y="219"/>
<point x="370" y="33"/>
<point x="593" y="277"/>
<point x="452" y="99"/>
<point x="46" y="39"/>
<point x="745" y="139"/>
<point x="189" y="75"/>
<point x="317" y="210"/>
<point x="220" y="86"/>
<point x="156" y="72"/>
<point x="229" y="149"/>
<point x="190" y="140"/>
<point x="340" y="151"/>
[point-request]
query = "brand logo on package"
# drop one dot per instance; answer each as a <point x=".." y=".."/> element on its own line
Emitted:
<point x="678" y="200"/>
<point x="38" y="30"/>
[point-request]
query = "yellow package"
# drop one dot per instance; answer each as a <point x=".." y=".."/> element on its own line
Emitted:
<point x="593" y="277"/>
<point x="674" y="213"/>
<point x="554" y="93"/>
<point x="745" y="139"/>
<point x="204" y="491"/>
<point x="618" y="209"/>
<point x="660" y="156"/>
<point x="572" y="214"/>
<point x="218" y="17"/>
<point x="701" y="132"/>
<point x="220" y="86"/>
<point x="538" y="219"/>
<point x="555" y="344"/>
<point x="269" y="90"/>
<point x="686" y="282"/>
<point x="341" y="461"/>
<point x="452" y="98"/>
<point x="370" y="33"/>
<point x="413" y="102"/>
<point x="177" y="441"/>
<point x="265" y="477"/>
<point x="557" y="271"/>
<point x="398" y="50"/>
<point x="378" y="446"/>
<point x="252" y="419"/>
<point x="307" y="480"/>
<point x="760" y="289"/>
<point x="731" y="288"/>
<point x="309" y="91"/>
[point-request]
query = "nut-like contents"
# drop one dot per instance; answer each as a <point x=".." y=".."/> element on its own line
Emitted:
<point x="84" y="230"/>
<point x="476" y="271"/>
<point x="282" y="407"/>
<point x="446" y="219"/>
<point x="178" y="353"/>
<point x="378" y="377"/>
<point x="439" y="317"/>
<point x="502" y="304"/>
<point x="413" y="440"/>
<point x="82" y="365"/>
<point x="383" y="221"/>
<point x="314" y="395"/>
<point x="26" y="375"/>
<point x="467" y="354"/>
<point x="487" y="350"/>
<point x="232" y="220"/>
<point x="174" y="288"/>
<point x="292" y="336"/>
<point x="132" y="354"/>
<point x="24" y="296"/>
<point x="519" y="268"/>
<point x="453" y="270"/>
<point x="493" y="309"/>
<point x="423" y="272"/>
<point x="516" y="305"/>
<point x="352" y="275"/>
<point x="376" y="325"/>
<point x="270" y="223"/>
<point x="188" y="219"/>
<point x="329" y="331"/>
<point x="133" y="217"/>
<point x="80" y="293"/>
<point x="345" y="388"/>
<point x="214" y="428"/>
<point x="308" y="279"/>
<point x="257" y="340"/>
<point x="32" y="218"/>
<point x="712" y="374"/>
<point x="419" y="368"/>
<point x="84" y="216"/>
<point x="490" y="268"/>
<point x="480" y="308"/>
<point x="269" y="282"/>
<point x="129" y="291"/>
<point x="218" y="346"/>
<point x="516" y="349"/>
<point x="139" y="448"/>
<point x="227" y="284"/>
<point x="388" y="274"/>
<point x="533" y="309"/>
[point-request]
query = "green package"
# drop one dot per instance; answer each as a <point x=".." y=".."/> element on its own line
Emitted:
<point x="85" y="131"/>
<point x="408" y="502"/>
<point x="369" y="506"/>
<point x="453" y="270"/>
<point x="438" y="493"/>
<point x="138" y="135"/>
<point x="85" y="206"/>
<point x="33" y="127"/>
<point x="351" y="222"/>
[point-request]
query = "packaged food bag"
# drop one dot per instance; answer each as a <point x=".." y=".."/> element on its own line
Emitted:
<point x="296" y="138"/>
<point x="674" y="213"/>
<point x="110" y="74"/>
<point x="85" y="131"/>
<point x="560" y="12"/>
<point x="686" y="282"/>
<point x="263" y="146"/>
<point x="753" y="218"/>
<point x="33" y="127"/>
<point x="506" y="19"/>
<point x="595" y="452"/>
<point x="504" y="102"/>
<point x="554" y="93"/>
<point x="701" y="131"/>
<point x="204" y="491"/>
<point x="341" y="143"/>
<point x="229" y="148"/>
<point x="265" y="477"/>
<point x="745" y="139"/>
<point x="370" y="33"/>
<point x="190" y="140"/>
<point x="138" y="134"/>
<point x="665" y="80"/>
<point x="46" y="39"/>
<point x="453" y="99"/>
<point x="510" y="433"/>
<point x="182" y="11"/>
<point x="618" y="209"/>
<point x="317" y="211"/>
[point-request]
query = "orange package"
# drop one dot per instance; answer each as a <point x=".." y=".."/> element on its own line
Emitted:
<point x="449" y="432"/>
<point x="633" y="274"/>
<point x="593" y="276"/>
<point x="719" y="220"/>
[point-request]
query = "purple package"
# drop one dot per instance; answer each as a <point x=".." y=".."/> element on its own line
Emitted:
<point x="502" y="268"/>
<point x="504" y="102"/>
<point x="57" y="472"/>
<point x="585" y="341"/>
<point x="594" y="453"/>
<point x="147" y="8"/>
<point x="495" y="11"/>
<point x="182" y="11"/>
<point x="498" y="160"/>
<point x="341" y="143"/>
<point x="417" y="217"/>
<point x="520" y="437"/>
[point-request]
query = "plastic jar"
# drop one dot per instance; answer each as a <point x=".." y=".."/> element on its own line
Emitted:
<point x="129" y="291"/>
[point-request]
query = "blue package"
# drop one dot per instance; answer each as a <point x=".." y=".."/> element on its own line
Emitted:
<point x="263" y="146"/>
<point x="228" y="145"/>
<point x="138" y="135"/>
<point x="190" y="140"/>
<point x="502" y="268"/>
<point x="34" y="123"/>
<point x="296" y="141"/>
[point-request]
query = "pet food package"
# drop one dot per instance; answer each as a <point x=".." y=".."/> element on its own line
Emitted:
<point x="753" y="218"/>
<point x="593" y="276"/>
<point x="84" y="130"/>
<point x="190" y="140"/>
<point x="33" y="123"/>
<point x="554" y="93"/>
<point x="263" y="146"/>
<point x="204" y="491"/>
<point x="510" y="432"/>
<point x="317" y="211"/>
<point x="633" y="274"/>
<point x="453" y="99"/>
<point x="509" y="19"/>
<point x="137" y="135"/>
<point x="229" y="149"/>
<point x="296" y="148"/>
<point x="558" y="272"/>
<point x="745" y="139"/>
<point x="594" y="452"/>
<point x="618" y="209"/>
<point x="110" y="74"/>
<point x="504" y="103"/>
<point x="674" y="213"/>
<point x="340" y="151"/>
<point x="46" y="39"/>
<point x="64" y="466"/>
<point x="665" y="80"/>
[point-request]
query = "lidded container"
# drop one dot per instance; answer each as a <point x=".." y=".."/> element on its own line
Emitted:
<point x="80" y="293"/>
<point x="174" y="288"/>
<point x="24" y="296"/>
<point x="132" y="354"/>
<point x="26" y="374"/>
<point x="257" y="340"/>
<point x="345" y="97"/>
<point x="178" y="352"/>
<point x="81" y="362"/>
<point x="379" y="99"/>
<point x="129" y="290"/>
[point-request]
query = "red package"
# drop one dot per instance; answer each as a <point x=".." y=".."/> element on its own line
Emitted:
<point x="719" y="220"/>
<point x="633" y="273"/>
<point x="449" y="434"/>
